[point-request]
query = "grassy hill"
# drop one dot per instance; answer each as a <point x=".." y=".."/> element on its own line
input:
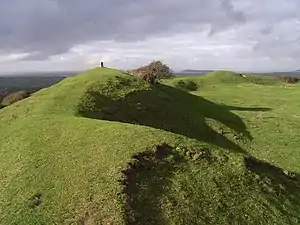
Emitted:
<point x="107" y="148"/>
<point x="217" y="78"/>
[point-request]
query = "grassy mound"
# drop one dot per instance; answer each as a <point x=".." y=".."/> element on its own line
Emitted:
<point x="136" y="102"/>
<point x="107" y="148"/>
<point x="224" y="77"/>
<point x="221" y="78"/>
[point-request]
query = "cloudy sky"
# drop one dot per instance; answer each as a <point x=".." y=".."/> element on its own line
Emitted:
<point x="39" y="35"/>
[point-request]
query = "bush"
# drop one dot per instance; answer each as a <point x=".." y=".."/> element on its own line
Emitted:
<point x="256" y="80"/>
<point x="14" y="97"/>
<point x="153" y="72"/>
<point x="288" y="79"/>
<point x="187" y="85"/>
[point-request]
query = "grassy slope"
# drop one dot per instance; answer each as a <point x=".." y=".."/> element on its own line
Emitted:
<point x="275" y="133"/>
<point x="63" y="149"/>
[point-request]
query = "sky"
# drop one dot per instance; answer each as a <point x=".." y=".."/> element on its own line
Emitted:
<point x="56" y="35"/>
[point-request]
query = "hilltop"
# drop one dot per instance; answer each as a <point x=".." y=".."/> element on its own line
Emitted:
<point x="104" y="147"/>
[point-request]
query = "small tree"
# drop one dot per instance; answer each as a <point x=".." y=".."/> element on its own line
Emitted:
<point x="153" y="72"/>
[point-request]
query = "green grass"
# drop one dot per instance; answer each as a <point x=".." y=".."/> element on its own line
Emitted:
<point x="217" y="78"/>
<point x="233" y="154"/>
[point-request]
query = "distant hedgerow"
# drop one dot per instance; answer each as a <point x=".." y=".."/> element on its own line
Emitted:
<point x="289" y="79"/>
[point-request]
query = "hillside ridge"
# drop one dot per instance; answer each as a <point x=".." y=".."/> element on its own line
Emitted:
<point x="106" y="147"/>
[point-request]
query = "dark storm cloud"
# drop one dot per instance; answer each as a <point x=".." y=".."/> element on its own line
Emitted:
<point x="49" y="27"/>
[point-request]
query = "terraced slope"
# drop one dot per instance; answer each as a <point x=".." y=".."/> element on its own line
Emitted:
<point x="107" y="148"/>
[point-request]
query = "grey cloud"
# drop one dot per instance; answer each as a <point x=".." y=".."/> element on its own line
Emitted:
<point x="270" y="11"/>
<point x="51" y="27"/>
<point x="277" y="49"/>
<point x="266" y="30"/>
<point x="219" y="33"/>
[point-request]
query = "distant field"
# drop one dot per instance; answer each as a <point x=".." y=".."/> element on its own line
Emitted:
<point x="104" y="147"/>
<point x="292" y="74"/>
<point x="10" y="84"/>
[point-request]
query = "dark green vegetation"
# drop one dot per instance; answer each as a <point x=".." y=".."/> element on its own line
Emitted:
<point x="187" y="85"/>
<point x="291" y="80"/>
<point x="108" y="148"/>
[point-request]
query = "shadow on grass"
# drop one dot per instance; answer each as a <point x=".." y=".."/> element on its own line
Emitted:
<point x="148" y="186"/>
<point x="147" y="181"/>
<point x="144" y="182"/>
<point x="169" y="109"/>
<point x="281" y="188"/>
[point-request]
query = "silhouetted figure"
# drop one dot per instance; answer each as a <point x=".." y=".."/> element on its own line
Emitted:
<point x="102" y="64"/>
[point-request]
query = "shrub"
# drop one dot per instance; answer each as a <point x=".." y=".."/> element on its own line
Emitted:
<point x="288" y="79"/>
<point x="256" y="80"/>
<point x="187" y="85"/>
<point x="14" y="97"/>
<point x="153" y="72"/>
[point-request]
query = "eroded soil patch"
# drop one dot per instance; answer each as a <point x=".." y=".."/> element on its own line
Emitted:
<point x="166" y="185"/>
<point x="146" y="177"/>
